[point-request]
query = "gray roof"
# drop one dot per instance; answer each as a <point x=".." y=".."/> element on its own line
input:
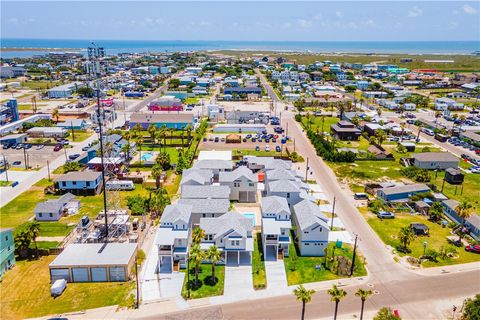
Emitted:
<point x="280" y="174"/>
<point x="201" y="176"/>
<point x="452" y="204"/>
<point x="53" y="205"/>
<point x="86" y="175"/>
<point x="474" y="220"/>
<point x="418" y="187"/>
<point x="214" y="164"/>
<point x="274" y="204"/>
<point x="91" y="254"/>
<point x="283" y="186"/>
<point x="207" y="205"/>
<point x="205" y="192"/>
<point x="277" y="164"/>
<point x="223" y="224"/>
<point x="237" y="174"/>
<point x="158" y="117"/>
<point x="435" y="156"/>
<point x="306" y="215"/>
<point x="175" y="212"/>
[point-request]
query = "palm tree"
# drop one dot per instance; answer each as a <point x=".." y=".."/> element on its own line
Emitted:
<point x="464" y="211"/>
<point x="56" y="114"/>
<point x="406" y="236"/>
<point x="214" y="255"/>
<point x="152" y="129"/>
<point x="198" y="235"/>
<point x="438" y="114"/>
<point x="381" y="136"/>
<point x="160" y="200"/>
<point x="127" y="135"/>
<point x="34" y="231"/>
<point x="157" y="174"/>
<point x="402" y="125"/>
<point x="139" y="141"/>
<point x="336" y="295"/>
<point x="196" y="256"/>
<point x="363" y="294"/>
<point x="303" y="295"/>
<point x="189" y="132"/>
<point x="163" y="159"/>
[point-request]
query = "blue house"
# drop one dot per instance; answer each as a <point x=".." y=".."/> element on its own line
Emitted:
<point x="240" y="90"/>
<point x="80" y="182"/>
<point x="7" y="250"/>
<point x="472" y="223"/>
<point x="401" y="193"/>
<point x="341" y="76"/>
<point x="362" y="84"/>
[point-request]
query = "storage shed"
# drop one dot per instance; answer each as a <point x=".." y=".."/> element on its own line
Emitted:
<point x="94" y="262"/>
<point x="233" y="138"/>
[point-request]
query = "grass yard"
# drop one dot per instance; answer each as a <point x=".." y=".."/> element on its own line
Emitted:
<point x="261" y="153"/>
<point x="46" y="244"/>
<point x="258" y="264"/>
<point x="191" y="100"/>
<point x="471" y="188"/>
<point x="303" y="269"/>
<point x="172" y="152"/>
<point x="4" y="183"/>
<point x="388" y="229"/>
<point x="205" y="286"/>
<point x="80" y="135"/>
<point x="26" y="292"/>
<point x="54" y="229"/>
<point x="40" y="84"/>
<point x="316" y="122"/>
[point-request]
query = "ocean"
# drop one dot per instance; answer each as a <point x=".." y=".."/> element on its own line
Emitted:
<point x="117" y="46"/>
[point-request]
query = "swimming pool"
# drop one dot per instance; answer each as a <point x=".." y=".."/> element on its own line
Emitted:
<point x="252" y="216"/>
<point x="147" y="156"/>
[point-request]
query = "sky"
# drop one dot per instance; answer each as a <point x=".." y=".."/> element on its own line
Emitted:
<point x="242" y="21"/>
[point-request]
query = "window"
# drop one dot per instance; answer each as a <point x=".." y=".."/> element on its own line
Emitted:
<point x="74" y="183"/>
<point x="88" y="183"/>
<point x="250" y="184"/>
<point x="64" y="184"/>
<point x="305" y="231"/>
<point x="50" y="215"/>
<point x="288" y="195"/>
<point x="203" y="215"/>
<point x="307" y="244"/>
<point x="40" y="215"/>
<point x="6" y="238"/>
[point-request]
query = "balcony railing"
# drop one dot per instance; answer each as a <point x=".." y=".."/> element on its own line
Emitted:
<point x="271" y="241"/>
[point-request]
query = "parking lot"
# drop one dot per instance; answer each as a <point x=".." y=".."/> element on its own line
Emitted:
<point x="35" y="158"/>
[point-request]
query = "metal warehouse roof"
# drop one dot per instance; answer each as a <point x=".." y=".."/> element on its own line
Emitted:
<point x="88" y="254"/>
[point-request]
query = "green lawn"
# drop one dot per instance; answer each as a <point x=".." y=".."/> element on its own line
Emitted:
<point x="316" y="122"/>
<point x="471" y="188"/>
<point x="388" y="229"/>
<point x="4" y="183"/>
<point x="205" y="288"/>
<point x="40" y="84"/>
<point x="26" y="292"/>
<point x="46" y="244"/>
<point x="258" y="264"/>
<point x="191" y="100"/>
<point x="80" y="135"/>
<point x="172" y="152"/>
<point x="261" y="153"/>
<point x="54" y="229"/>
<point x="303" y="269"/>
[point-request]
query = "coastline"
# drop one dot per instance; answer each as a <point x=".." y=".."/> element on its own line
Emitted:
<point x="10" y="49"/>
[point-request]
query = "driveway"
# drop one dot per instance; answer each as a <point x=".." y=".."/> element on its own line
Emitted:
<point x="276" y="276"/>
<point x="238" y="282"/>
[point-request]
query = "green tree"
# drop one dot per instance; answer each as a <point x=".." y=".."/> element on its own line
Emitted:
<point x="160" y="201"/>
<point x="33" y="228"/>
<point x="303" y="295"/>
<point x="71" y="166"/>
<point x="157" y="171"/>
<point x="435" y="212"/>
<point x="163" y="159"/>
<point x="198" y="235"/>
<point x="381" y="136"/>
<point x="214" y="255"/>
<point x="471" y="309"/>
<point x="363" y="294"/>
<point x="464" y="211"/>
<point x="386" y="313"/>
<point x="406" y="235"/>
<point x="152" y="129"/>
<point x="139" y="141"/>
<point x="336" y="295"/>
<point x="56" y="114"/>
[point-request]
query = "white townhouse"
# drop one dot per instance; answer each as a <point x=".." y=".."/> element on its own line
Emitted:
<point x="172" y="237"/>
<point x="205" y="192"/>
<point x="287" y="189"/>
<point x="312" y="229"/>
<point x="216" y="166"/>
<point x="196" y="177"/>
<point x="206" y="208"/>
<point x="232" y="234"/>
<point x="276" y="225"/>
<point x="242" y="183"/>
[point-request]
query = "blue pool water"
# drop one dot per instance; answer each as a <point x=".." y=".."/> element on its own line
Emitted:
<point x="251" y="216"/>
<point x="147" y="156"/>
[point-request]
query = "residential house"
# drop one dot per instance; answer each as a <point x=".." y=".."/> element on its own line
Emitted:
<point x="47" y="132"/>
<point x="170" y="120"/>
<point x="242" y="183"/>
<point x="284" y="188"/>
<point x="216" y="166"/>
<point x="54" y="209"/>
<point x="64" y="91"/>
<point x="232" y="234"/>
<point x="205" y="192"/>
<point x="401" y="193"/>
<point x="196" y="177"/>
<point x="172" y="237"/>
<point x="276" y="225"/>
<point x="435" y="160"/>
<point x="472" y="223"/>
<point x="75" y="124"/>
<point x="206" y="208"/>
<point x="80" y="182"/>
<point x="312" y="230"/>
<point x="7" y="250"/>
<point x="345" y="130"/>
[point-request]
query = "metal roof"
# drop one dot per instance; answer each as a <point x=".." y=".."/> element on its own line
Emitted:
<point x="435" y="156"/>
<point x="92" y="254"/>
<point x="86" y="175"/>
<point x="237" y="174"/>
<point x="205" y="192"/>
<point x="207" y="205"/>
<point x="229" y="221"/>
<point x="308" y="214"/>
<point x="274" y="204"/>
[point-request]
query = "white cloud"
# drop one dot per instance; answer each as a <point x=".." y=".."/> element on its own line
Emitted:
<point x="13" y="20"/>
<point x="468" y="9"/>
<point x="415" y="12"/>
<point x="339" y="14"/>
<point x="304" y="23"/>
<point x="287" y="25"/>
<point x="317" y="16"/>
<point x="369" y="23"/>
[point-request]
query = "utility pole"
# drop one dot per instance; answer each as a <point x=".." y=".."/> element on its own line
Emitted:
<point x="48" y="169"/>
<point x="94" y="54"/>
<point x="136" y="281"/>
<point x="354" y="252"/>
<point x="65" y="151"/>
<point x="73" y="133"/>
<point x="306" y="172"/>
<point x="333" y="212"/>
<point x="25" y="157"/>
<point x="5" y="167"/>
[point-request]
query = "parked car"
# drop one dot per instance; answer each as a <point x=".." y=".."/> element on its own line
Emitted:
<point x="57" y="147"/>
<point x="223" y="139"/>
<point x="360" y="196"/>
<point x="205" y="139"/>
<point x="16" y="163"/>
<point x="244" y="139"/>
<point x="19" y="146"/>
<point x="257" y="148"/>
<point x="248" y="136"/>
<point x="73" y="156"/>
<point x="474" y="249"/>
<point x="40" y="147"/>
<point x="27" y="146"/>
<point x="216" y="139"/>
<point x="6" y="146"/>
<point x="278" y="149"/>
<point x="385" y="215"/>
<point x="254" y="139"/>
<point x="267" y="148"/>
<point x="85" y="148"/>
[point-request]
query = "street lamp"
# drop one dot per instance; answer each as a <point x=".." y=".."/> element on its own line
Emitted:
<point x="354" y="254"/>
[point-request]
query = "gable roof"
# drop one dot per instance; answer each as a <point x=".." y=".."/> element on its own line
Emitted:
<point x="417" y="187"/>
<point x="175" y="212"/>
<point x="199" y="175"/>
<point x="435" y="156"/>
<point x="280" y="174"/>
<point x="274" y="204"/>
<point x="283" y="186"/>
<point x="205" y="192"/>
<point x="229" y="221"/>
<point x="308" y="214"/>
<point x="237" y="174"/>
<point x="53" y="205"/>
<point x="86" y="175"/>
<point x="207" y="205"/>
<point x="214" y="164"/>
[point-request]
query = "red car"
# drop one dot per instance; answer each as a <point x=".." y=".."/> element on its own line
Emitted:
<point x="57" y="147"/>
<point x="474" y="249"/>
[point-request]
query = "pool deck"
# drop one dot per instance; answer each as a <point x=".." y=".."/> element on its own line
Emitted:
<point x="250" y="208"/>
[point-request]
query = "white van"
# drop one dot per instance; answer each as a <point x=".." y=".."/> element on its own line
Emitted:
<point x="58" y="287"/>
<point x="119" y="185"/>
<point x="428" y="132"/>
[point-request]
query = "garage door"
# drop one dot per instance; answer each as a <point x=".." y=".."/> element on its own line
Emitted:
<point x="80" y="274"/>
<point x="117" y="274"/>
<point x="99" y="274"/>
<point x="57" y="274"/>
<point x="246" y="196"/>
